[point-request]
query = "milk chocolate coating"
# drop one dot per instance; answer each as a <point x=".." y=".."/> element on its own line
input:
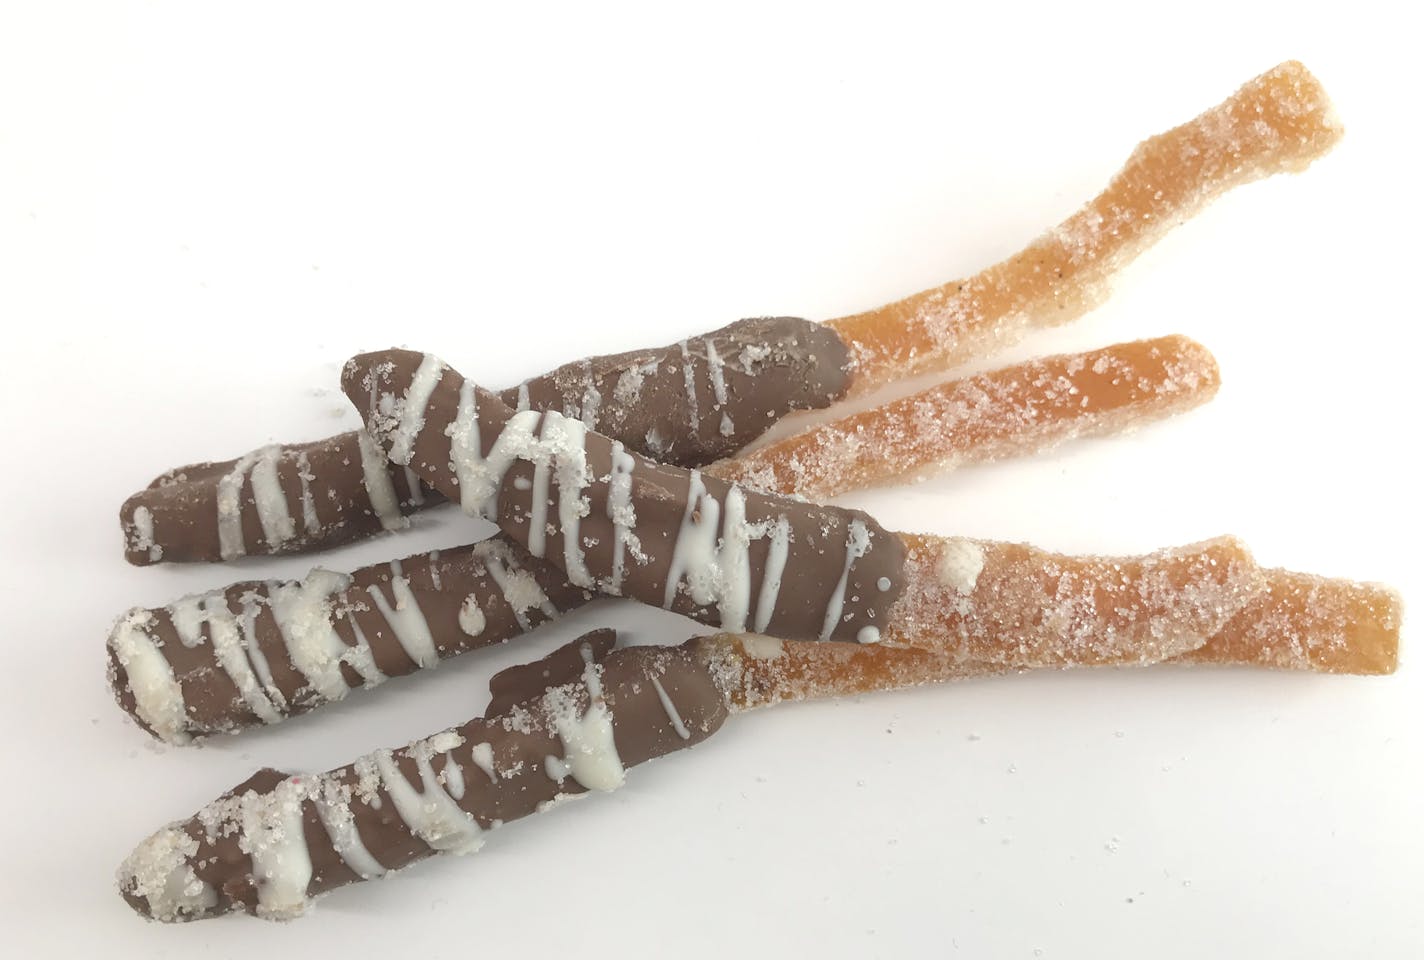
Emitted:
<point x="493" y="587"/>
<point x="521" y="736"/>
<point x="816" y="576"/>
<point x="690" y="403"/>
<point x="703" y="398"/>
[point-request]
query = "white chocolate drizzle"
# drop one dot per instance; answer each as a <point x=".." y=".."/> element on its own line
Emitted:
<point x="689" y="382"/>
<point x="271" y="500"/>
<point x="143" y="534"/>
<point x="482" y="754"/>
<point x="761" y="647"/>
<point x="310" y="521"/>
<point x="231" y="542"/>
<point x="412" y="483"/>
<point x="592" y="399"/>
<point x="518" y="586"/>
<point x="480" y="476"/>
<point x="472" y="618"/>
<point x="430" y="813"/>
<point x="333" y="808"/>
<point x="718" y="571"/>
<point x="694" y="551"/>
<point x="857" y="544"/>
<point x="590" y="754"/>
<point x="412" y="410"/>
<point x="453" y="776"/>
<point x="273" y="837"/>
<point x="247" y="621"/>
<point x="406" y="619"/>
<point x="190" y="614"/>
<point x="161" y="871"/>
<point x="719" y="386"/>
<point x="622" y="514"/>
<point x="960" y="563"/>
<point x="674" y="718"/>
<point x="158" y="698"/>
<point x="303" y="611"/>
<point x="778" y="548"/>
<point x="560" y="453"/>
<point x="379" y="486"/>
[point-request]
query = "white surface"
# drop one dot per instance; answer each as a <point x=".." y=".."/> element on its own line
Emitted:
<point x="202" y="215"/>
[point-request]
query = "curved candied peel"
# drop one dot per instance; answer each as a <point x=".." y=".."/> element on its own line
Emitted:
<point x="1277" y="122"/>
<point x="1019" y="606"/>
<point x="1009" y="412"/>
<point x="1293" y="621"/>
<point x="1299" y="621"/>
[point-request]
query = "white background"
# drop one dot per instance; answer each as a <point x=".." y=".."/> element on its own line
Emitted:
<point x="202" y="214"/>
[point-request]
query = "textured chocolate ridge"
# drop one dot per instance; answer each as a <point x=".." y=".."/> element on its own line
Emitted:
<point x="689" y="403"/>
<point x="625" y="525"/>
<point x="276" y="841"/>
<point x="260" y="651"/>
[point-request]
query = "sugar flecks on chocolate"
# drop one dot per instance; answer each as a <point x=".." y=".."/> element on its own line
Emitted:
<point x="689" y="404"/>
<point x="274" y="843"/>
<point x="617" y="522"/>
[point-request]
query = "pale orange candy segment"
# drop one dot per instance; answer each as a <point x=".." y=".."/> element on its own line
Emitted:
<point x="1015" y="411"/>
<point x="1280" y="121"/>
<point x="1017" y="606"/>
<point x="761" y="671"/>
<point x="1304" y="622"/>
<point x="1294" y="621"/>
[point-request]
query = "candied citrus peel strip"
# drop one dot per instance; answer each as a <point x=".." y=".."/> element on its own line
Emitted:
<point x="1015" y="411"/>
<point x="1280" y="121"/>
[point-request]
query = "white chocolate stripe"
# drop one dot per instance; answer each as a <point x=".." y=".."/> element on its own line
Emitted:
<point x="271" y="500"/>
<point x="670" y="708"/>
<point x="412" y="483"/>
<point x="430" y="813"/>
<point x="719" y="386"/>
<point x="158" y="698"/>
<point x="273" y="836"/>
<point x="247" y="621"/>
<point x="693" y="553"/>
<point x="518" y="586"/>
<point x="592" y="399"/>
<point x="303" y="611"/>
<point x="590" y="754"/>
<point x="560" y="453"/>
<point x="482" y="754"/>
<point x="406" y="619"/>
<point x="453" y="776"/>
<point x="689" y="382"/>
<point x="379" y="486"/>
<point x="857" y="544"/>
<point x="143" y="534"/>
<point x="333" y="808"/>
<point x="621" y="512"/>
<point x="412" y="414"/>
<point x="310" y="520"/>
<point x="778" y="548"/>
<point x="734" y="561"/>
<point x="231" y="541"/>
<point x="190" y="614"/>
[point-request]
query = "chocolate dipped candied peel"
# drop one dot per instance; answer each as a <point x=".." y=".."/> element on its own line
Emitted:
<point x="690" y="403"/>
<point x="574" y="722"/>
<point x="260" y="651"/>
<point x="706" y="397"/>
<point x="626" y="475"/>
